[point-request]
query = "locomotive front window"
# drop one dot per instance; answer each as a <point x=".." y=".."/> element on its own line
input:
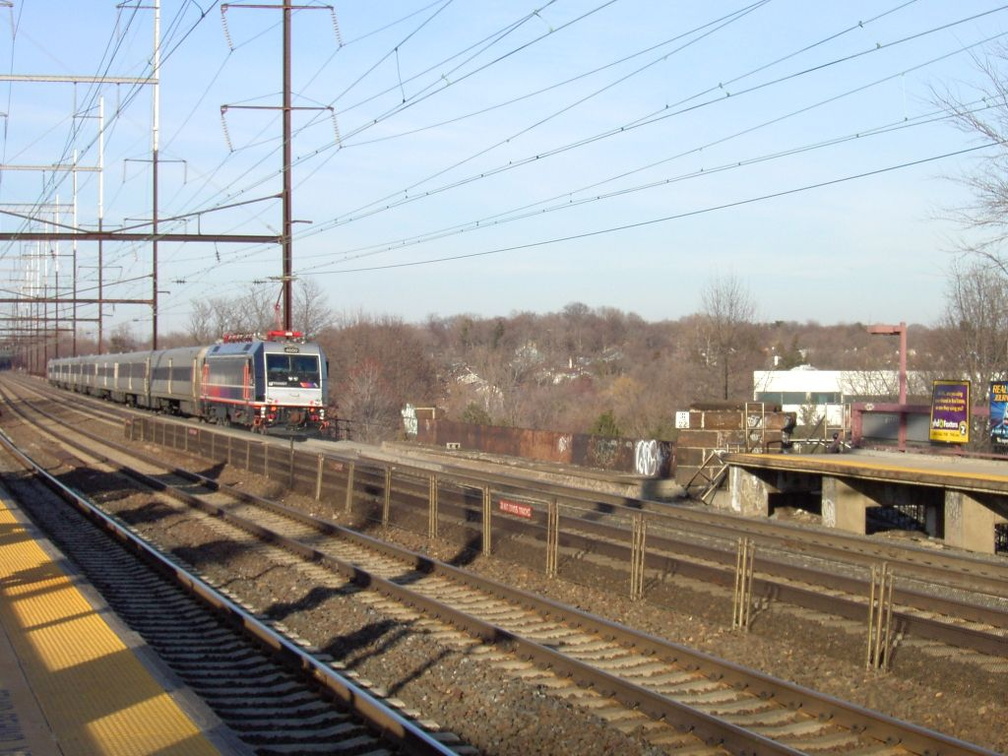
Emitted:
<point x="293" y="370"/>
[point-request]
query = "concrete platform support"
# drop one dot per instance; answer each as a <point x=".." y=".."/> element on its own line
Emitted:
<point x="749" y="493"/>
<point x="969" y="524"/>
<point x="844" y="507"/>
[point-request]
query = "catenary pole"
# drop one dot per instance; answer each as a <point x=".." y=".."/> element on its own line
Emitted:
<point x="154" y="171"/>
<point x="288" y="245"/>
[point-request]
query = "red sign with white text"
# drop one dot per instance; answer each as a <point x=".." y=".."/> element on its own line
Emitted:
<point x="516" y="508"/>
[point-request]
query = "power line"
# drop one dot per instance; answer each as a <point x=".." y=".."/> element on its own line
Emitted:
<point x="676" y="216"/>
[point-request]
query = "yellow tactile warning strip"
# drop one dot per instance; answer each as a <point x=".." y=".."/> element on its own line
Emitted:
<point x="96" y="696"/>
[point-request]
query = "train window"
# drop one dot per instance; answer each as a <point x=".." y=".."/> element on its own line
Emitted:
<point x="295" y="370"/>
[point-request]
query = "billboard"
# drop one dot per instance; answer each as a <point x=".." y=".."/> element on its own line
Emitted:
<point x="999" y="415"/>
<point x="950" y="412"/>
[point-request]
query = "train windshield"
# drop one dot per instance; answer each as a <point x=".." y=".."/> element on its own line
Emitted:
<point x="293" y="370"/>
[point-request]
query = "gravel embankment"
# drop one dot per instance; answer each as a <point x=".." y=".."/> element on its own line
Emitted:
<point x="499" y="712"/>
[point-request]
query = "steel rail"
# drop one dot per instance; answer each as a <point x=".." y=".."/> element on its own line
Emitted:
<point x="973" y="572"/>
<point x="667" y="553"/>
<point x="713" y="730"/>
<point x="400" y="730"/>
<point x="976" y="572"/>
<point x="872" y="723"/>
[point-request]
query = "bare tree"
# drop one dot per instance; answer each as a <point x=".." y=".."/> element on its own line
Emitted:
<point x="976" y="321"/>
<point x="122" y="339"/>
<point x="869" y="384"/>
<point x="727" y="317"/>
<point x="575" y="317"/>
<point x="202" y="326"/>
<point x="368" y="401"/>
<point x="510" y="373"/>
<point x="211" y="319"/>
<point x="311" y="310"/>
<point x="377" y="366"/>
<point x="257" y="311"/>
<point x="986" y="117"/>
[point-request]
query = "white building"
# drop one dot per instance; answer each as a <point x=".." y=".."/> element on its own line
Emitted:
<point x="815" y="394"/>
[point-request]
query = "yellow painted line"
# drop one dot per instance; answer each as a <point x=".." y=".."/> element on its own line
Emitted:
<point x="901" y="471"/>
<point x="95" y="693"/>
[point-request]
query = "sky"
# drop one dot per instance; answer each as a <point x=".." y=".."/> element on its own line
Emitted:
<point x="459" y="157"/>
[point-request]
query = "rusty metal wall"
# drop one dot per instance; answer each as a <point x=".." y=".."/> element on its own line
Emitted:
<point x="303" y="471"/>
<point x="379" y="494"/>
<point x="707" y="429"/>
<point x="618" y="455"/>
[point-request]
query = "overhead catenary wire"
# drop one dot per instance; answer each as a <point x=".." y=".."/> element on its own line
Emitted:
<point x="317" y="230"/>
<point x="679" y="216"/>
<point x="216" y="188"/>
<point x="714" y="23"/>
<point x="407" y="194"/>
<point x="232" y="195"/>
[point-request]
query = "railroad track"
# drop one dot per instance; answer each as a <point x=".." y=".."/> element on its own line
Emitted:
<point x="273" y="696"/>
<point x="721" y="703"/>
<point x="952" y="568"/>
<point x="941" y="600"/>
<point x="918" y="565"/>
<point x="934" y="611"/>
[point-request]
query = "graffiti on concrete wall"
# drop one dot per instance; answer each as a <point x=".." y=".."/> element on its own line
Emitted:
<point x="828" y="511"/>
<point x="410" y="424"/>
<point x="953" y="513"/>
<point x="603" y="451"/>
<point x="649" y="457"/>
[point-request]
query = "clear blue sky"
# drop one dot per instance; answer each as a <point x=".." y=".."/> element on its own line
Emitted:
<point x="492" y="157"/>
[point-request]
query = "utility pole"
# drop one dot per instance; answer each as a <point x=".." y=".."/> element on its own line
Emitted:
<point x="74" y="167"/>
<point x="288" y="241"/>
<point x="75" y="234"/>
<point x="286" y="236"/>
<point x="901" y="331"/>
<point x="155" y="119"/>
<point x="101" y="214"/>
<point x="73" y="270"/>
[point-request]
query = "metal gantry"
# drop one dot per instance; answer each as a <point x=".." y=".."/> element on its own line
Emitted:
<point x="29" y="302"/>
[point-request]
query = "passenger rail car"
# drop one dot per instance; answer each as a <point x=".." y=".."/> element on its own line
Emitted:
<point x="256" y="382"/>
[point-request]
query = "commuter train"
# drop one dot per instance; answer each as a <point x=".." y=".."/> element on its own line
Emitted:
<point x="261" y="382"/>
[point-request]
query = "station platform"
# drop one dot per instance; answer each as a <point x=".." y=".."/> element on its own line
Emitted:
<point x="73" y="679"/>
<point x="962" y="501"/>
